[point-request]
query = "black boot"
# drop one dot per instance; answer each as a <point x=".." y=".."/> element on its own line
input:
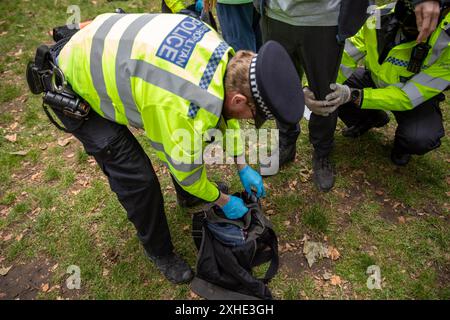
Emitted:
<point x="365" y="125"/>
<point x="286" y="155"/>
<point x="323" y="173"/>
<point x="399" y="158"/>
<point x="190" y="201"/>
<point x="173" y="267"/>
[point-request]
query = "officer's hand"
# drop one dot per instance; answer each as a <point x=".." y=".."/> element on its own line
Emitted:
<point x="250" y="178"/>
<point x="340" y="94"/>
<point x="318" y="107"/>
<point x="234" y="208"/>
<point x="427" y="18"/>
<point x="199" y="5"/>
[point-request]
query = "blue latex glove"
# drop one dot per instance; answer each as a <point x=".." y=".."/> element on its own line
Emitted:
<point x="199" y="6"/>
<point x="250" y="178"/>
<point x="234" y="208"/>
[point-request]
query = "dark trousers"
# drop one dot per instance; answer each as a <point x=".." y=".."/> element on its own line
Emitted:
<point x="131" y="176"/>
<point x="240" y="25"/>
<point x="419" y="130"/>
<point x="315" y="51"/>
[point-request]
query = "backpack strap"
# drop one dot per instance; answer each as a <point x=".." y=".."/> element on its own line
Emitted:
<point x="271" y="240"/>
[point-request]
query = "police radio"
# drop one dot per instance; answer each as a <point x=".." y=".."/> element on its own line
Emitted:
<point x="418" y="56"/>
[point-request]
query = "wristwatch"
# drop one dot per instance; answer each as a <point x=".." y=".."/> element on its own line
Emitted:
<point x="355" y="96"/>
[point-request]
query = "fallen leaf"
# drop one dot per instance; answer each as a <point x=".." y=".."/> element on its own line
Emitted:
<point x="287" y="223"/>
<point x="193" y="295"/>
<point x="335" y="280"/>
<point x="19" y="153"/>
<point x="105" y="272"/>
<point x="45" y="287"/>
<point x="19" y="237"/>
<point x="55" y="287"/>
<point x="379" y="192"/>
<point x="333" y="253"/>
<point x="35" y="176"/>
<point x="43" y="146"/>
<point x="64" y="142"/>
<point x="8" y="237"/>
<point x="11" y="137"/>
<point x="53" y="269"/>
<point x="14" y="126"/>
<point x="70" y="155"/>
<point x="314" y="251"/>
<point x="401" y="219"/>
<point x="4" y="271"/>
<point x="327" y="275"/>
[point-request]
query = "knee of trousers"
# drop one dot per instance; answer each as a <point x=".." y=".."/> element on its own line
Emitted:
<point x="414" y="143"/>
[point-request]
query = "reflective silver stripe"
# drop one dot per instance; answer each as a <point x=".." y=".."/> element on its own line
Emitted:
<point x="190" y="180"/>
<point x="440" y="45"/>
<point x="124" y="70"/>
<point x="431" y="82"/>
<point x="413" y="94"/>
<point x="96" y="66"/>
<point x="177" y="85"/>
<point x="180" y="166"/>
<point x="353" y="51"/>
<point x="346" y="71"/>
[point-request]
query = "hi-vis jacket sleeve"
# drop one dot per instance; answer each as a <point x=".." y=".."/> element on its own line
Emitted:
<point x="420" y="88"/>
<point x="175" y="5"/>
<point x="181" y="151"/>
<point x="354" y="52"/>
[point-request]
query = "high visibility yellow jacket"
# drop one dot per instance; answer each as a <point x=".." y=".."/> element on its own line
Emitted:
<point x="175" y="5"/>
<point x="162" y="73"/>
<point x="397" y="89"/>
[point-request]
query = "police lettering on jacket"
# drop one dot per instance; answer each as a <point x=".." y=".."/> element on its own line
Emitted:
<point x="179" y="44"/>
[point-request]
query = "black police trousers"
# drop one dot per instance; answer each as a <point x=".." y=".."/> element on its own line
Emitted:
<point x="131" y="176"/>
<point x="315" y="51"/>
<point x="419" y="130"/>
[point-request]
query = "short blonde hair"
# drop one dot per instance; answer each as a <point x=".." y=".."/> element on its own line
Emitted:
<point x="237" y="77"/>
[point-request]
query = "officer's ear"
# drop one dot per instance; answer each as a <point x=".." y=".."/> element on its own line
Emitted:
<point x="238" y="100"/>
<point x="236" y="106"/>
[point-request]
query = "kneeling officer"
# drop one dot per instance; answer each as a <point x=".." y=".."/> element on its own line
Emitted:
<point x="163" y="73"/>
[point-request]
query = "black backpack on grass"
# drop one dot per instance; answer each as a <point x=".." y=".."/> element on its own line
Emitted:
<point x="225" y="259"/>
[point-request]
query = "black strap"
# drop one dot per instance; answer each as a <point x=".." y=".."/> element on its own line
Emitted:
<point x="57" y="125"/>
<point x="272" y="242"/>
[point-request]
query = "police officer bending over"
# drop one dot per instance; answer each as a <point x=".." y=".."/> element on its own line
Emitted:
<point x="163" y="73"/>
<point x="400" y="75"/>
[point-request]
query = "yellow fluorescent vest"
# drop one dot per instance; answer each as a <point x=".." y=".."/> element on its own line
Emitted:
<point x="397" y="88"/>
<point x="159" y="72"/>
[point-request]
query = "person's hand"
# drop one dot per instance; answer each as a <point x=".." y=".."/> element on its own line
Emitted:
<point x="427" y="17"/>
<point x="340" y="94"/>
<point x="199" y="5"/>
<point x="318" y="107"/>
<point x="209" y="4"/>
<point x="234" y="208"/>
<point x="250" y="178"/>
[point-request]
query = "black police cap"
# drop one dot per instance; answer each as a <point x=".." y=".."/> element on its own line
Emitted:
<point x="276" y="86"/>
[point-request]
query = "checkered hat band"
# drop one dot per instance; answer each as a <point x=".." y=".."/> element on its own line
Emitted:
<point x="255" y="91"/>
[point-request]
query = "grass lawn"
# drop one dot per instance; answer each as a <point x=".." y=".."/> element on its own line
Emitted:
<point x="56" y="208"/>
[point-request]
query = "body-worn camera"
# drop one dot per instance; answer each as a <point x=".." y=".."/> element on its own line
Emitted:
<point x="418" y="56"/>
<point x="43" y="76"/>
